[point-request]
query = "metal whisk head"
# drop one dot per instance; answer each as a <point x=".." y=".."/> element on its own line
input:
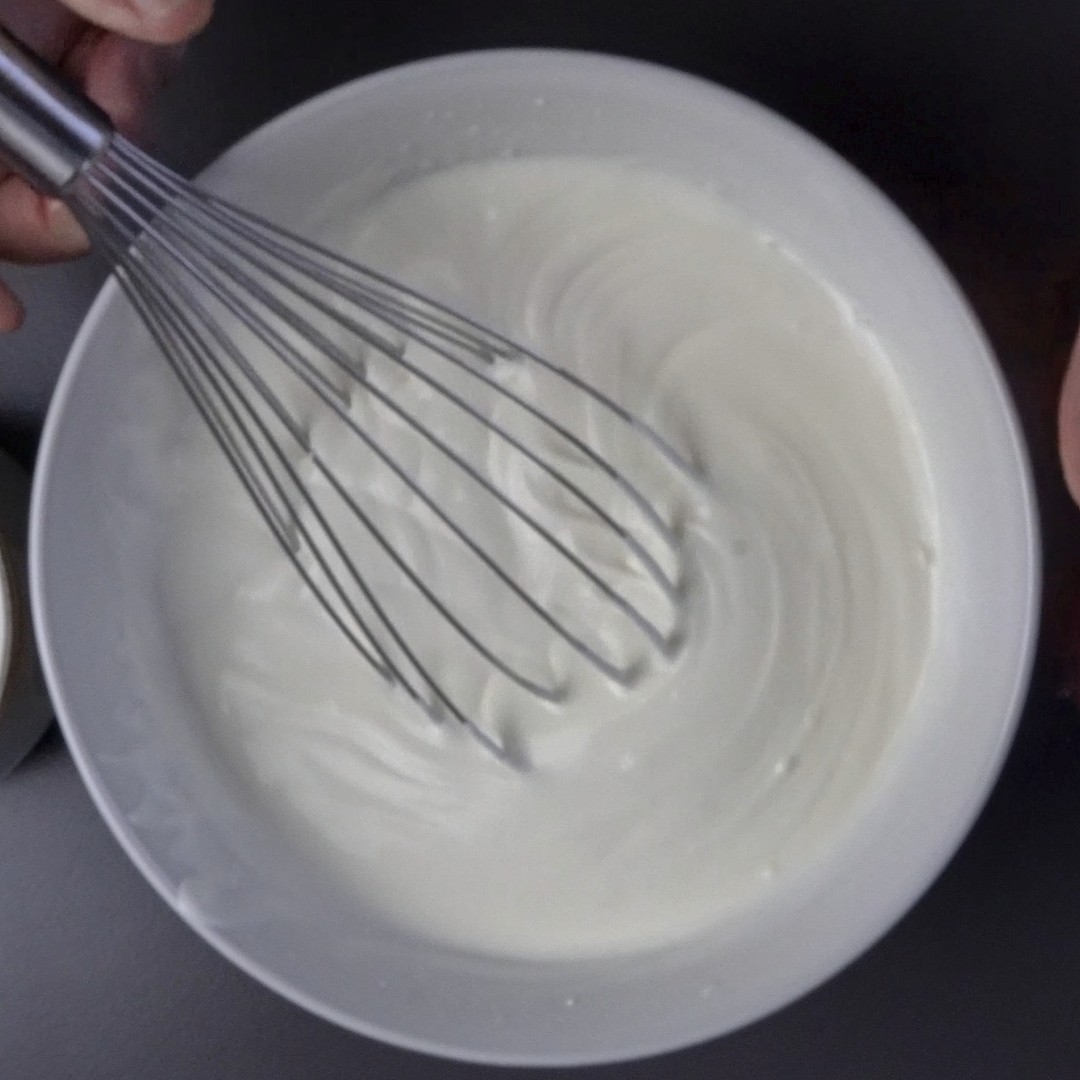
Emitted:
<point x="291" y="353"/>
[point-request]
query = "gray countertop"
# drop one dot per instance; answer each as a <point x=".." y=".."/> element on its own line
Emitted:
<point x="967" y="114"/>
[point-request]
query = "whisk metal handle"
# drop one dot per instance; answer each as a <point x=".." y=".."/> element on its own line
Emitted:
<point x="49" y="133"/>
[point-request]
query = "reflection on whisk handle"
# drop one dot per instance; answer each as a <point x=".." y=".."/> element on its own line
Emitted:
<point x="49" y="133"/>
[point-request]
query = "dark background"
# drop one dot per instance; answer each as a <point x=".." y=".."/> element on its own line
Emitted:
<point x="968" y="115"/>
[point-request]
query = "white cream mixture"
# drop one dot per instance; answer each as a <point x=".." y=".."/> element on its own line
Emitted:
<point x="643" y="816"/>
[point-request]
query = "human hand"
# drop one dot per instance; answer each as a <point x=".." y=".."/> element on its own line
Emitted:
<point x="1069" y="424"/>
<point x="120" y="52"/>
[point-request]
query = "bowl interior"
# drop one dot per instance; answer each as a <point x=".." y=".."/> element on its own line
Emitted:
<point x="137" y="735"/>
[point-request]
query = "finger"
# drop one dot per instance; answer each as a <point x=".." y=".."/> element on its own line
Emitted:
<point x="160" y="21"/>
<point x="1069" y="424"/>
<point x="45" y="26"/>
<point x="11" y="310"/>
<point x="34" y="228"/>
<point x="121" y="75"/>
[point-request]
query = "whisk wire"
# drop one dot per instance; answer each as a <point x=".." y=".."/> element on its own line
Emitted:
<point x="231" y="293"/>
<point x="270" y="338"/>
<point x="184" y="258"/>
<point x="192" y="362"/>
<point x="227" y="295"/>
<point x="163" y="315"/>
<point x="420" y="310"/>
<point x="191" y="203"/>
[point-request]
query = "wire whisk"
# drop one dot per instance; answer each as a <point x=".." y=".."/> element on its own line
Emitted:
<point x="272" y="337"/>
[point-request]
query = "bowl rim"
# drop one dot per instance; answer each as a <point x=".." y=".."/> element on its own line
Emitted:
<point x="947" y="844"/>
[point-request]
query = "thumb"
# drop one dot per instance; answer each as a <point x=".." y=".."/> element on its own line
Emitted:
<point x="158" y="21"/>
<point x="1069" y="424"/>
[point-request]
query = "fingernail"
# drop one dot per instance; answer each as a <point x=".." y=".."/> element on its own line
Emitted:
<point x="158" y="9"/>
<point x="63" y="227"/>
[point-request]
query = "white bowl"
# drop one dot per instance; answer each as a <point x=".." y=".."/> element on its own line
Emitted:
<point x="183" y="820"/>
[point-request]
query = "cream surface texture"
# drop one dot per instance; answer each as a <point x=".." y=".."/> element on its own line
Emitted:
<point x="630" y="815"/>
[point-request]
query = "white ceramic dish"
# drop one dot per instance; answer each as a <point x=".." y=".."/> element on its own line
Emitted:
<point x="182" y="818"/>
